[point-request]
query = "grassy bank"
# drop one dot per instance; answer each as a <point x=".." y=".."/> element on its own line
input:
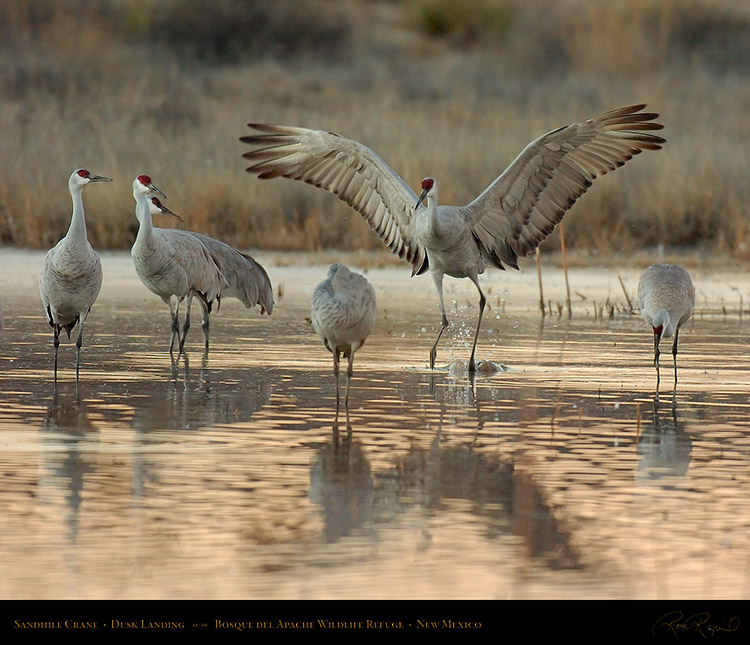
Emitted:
<point x="436" y="88"/>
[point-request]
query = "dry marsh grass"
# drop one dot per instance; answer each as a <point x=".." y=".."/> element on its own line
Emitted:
<point x="141" y="86"/>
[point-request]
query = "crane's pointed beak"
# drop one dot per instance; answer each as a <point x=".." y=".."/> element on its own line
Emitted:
<point x="98" y="178"/>
<point x="166" y="211"/>
<point x="156" y="190"/>
<point x="421" y="197"/>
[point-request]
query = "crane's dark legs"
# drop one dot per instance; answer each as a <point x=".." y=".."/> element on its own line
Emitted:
<point x="174" y="311"/>
<point x="482" y="303"/>
<point x="349" y="372"/>
<point x="674" y="355"/>
<point x="55" y="336"/>
<point x="433" y="351"/>
<point x="79" y="343"/>
<point x="175" y="331"/>
<point x="56" y="344"/>
<point x="438" y="278"/>
<point x="186" y="324"/>
<point x="204" y="322"/>
<point x="336" y="376"/>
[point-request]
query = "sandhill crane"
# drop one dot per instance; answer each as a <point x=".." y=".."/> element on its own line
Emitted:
<point x="183" y="264"/>
<point x="343" y="315"/>
<point x="72" y="275"/>
<point x="246" y="279"/>
<point x="509" y="219"/>
<point x="666" y="298"/>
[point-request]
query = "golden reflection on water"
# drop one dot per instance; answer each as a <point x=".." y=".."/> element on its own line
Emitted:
<point x="222" y="475"/>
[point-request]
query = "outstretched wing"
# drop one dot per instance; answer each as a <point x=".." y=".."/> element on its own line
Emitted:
<point x="349" y="170"/>
<point x="525" y="203"/>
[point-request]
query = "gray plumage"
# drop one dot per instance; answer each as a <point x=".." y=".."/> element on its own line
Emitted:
<point x="178" y="265"/>
<point x="508" y="220"/>
<point x="72" y="274"/>
<point x="343" y="315"/>
<point x="246" y="280"/>
<point x="666" y="298"/>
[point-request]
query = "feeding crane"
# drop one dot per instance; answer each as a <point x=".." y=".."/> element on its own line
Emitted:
<point x="666" y="297"/>
<point x="509" y="219"/>
<point x="72" y="274"/>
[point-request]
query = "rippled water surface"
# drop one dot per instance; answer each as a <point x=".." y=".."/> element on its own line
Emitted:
<point x="222" y="475"/>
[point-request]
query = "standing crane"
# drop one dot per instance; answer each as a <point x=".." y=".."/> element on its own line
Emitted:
<point x="666" y="298"/>
<point x="343" y="315"/>
<point x="72" y="275"/>
<point x="181" y="264"/>
<point x="509" y="219"/>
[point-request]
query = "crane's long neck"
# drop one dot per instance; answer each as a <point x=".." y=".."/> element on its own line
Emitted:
<point x="433" y="224"/>
<point x="143" y="214"/>
<point x="77" y="230"/>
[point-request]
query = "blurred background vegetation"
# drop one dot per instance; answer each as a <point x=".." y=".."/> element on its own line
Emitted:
<point x="437" y="87"/>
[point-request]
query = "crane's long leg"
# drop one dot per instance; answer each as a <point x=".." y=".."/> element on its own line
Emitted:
<point x="206" y="310"/>
<point x="482" y="303"/>
<point x="349" y="372"/>
<point x="56" y="344"/>
<point x="674" y="355"/>
<point x="438" y="279"/>
<point x="79" y="343"/>
<point x="55" y="337"/>
<point x="336" y="377"/>
<point x="656" y="358"/>
<point x="186" y="324"/>
<point x="174" y="311"/>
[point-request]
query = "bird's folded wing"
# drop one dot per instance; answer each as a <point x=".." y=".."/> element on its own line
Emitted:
<point x="349" y="170"/>
<point x="525" y="203"/>
<point x="195" y="259"/>
<point x="246" y="280"/>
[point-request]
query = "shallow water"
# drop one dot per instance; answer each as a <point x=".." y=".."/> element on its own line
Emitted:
<point x="223" y="476"/>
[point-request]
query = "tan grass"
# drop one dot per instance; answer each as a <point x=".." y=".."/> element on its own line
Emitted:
<point x="101" y="92"/>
